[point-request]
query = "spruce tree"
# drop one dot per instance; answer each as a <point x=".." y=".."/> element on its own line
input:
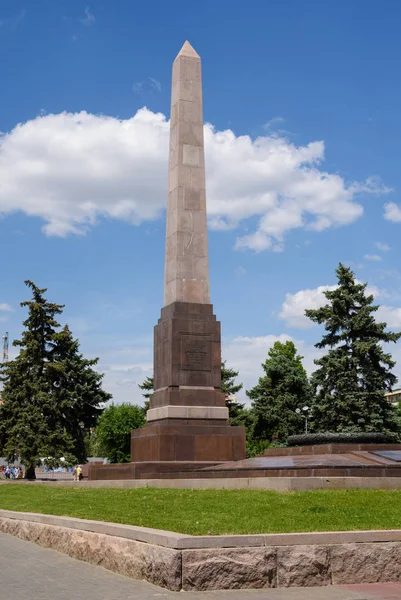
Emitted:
<point x="354" y="375"/>
<point x="230" y="388"/>
<point x="147" y="392"/>
<point x="79" y="389"/>
<point x="51" y="393"/>
<point x="282" y="389"/>
<point x="32" y="424"/>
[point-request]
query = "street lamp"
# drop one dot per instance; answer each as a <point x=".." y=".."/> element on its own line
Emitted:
<point x="305" y="409"/>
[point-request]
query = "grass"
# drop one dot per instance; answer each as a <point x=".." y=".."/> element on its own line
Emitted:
<point x="212" y="512"/>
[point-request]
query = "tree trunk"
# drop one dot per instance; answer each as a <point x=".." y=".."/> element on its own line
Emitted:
<point x="30" y="472"/>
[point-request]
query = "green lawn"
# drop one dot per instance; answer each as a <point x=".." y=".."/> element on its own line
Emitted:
<point x="212" y="512"/>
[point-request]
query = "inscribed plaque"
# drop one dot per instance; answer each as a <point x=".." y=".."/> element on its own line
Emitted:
<point x="196" y="352"/>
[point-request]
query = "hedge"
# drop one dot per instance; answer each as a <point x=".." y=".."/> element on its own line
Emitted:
<point x="313" y="439"/>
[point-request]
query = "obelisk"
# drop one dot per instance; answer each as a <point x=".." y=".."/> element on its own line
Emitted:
<point x="186" y="277"/>
<point x="188" y="418"/>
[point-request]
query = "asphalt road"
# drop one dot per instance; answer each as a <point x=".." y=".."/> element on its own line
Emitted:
<point x="29" y="572"/>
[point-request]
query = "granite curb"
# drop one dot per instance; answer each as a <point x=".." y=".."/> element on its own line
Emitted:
<point x="182" y="541"/>
<point x="190" y="563"/>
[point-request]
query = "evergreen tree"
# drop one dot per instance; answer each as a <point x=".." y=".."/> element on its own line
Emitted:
<point x="279" y="392"/>
<point x="147" y="387"/>
<point x="228" y="376"/>
<point x="354" y="375"/>
<point x="32" y="423"/>
<point x="51" y="393"/>
<point x="230" y="388"/>
<point x="79" y="388"/>
<point x="147" y="391"/>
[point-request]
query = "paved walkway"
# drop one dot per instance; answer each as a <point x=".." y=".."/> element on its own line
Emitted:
<point x="35" y="573"/>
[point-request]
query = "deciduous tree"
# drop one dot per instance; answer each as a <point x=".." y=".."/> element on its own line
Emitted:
<point x="114" y="430"/>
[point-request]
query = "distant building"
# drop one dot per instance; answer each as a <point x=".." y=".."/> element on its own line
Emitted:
<point x="394" y="397"/>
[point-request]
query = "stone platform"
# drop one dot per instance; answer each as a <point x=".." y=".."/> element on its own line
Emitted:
<point x="330" y="460"/>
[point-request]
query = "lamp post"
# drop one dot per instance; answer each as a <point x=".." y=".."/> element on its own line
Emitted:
<point x="305" y="410"/>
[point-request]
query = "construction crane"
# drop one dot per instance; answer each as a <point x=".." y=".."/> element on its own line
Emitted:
<point x="5" y="346"/>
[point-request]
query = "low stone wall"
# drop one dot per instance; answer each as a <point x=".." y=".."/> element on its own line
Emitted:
<point x="158" y="565"/>
<point x="279" y="484"/>
<point x="197" y="563"/>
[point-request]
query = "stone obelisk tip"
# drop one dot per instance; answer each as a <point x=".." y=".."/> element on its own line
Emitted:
<point x="187" y="50"/>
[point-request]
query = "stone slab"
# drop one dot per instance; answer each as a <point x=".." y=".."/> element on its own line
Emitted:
<point x="302" y="566"/>
<point x="366" y="563"/>
<point x="228" y="569"/>
<point x="394" y="455"/>
<point x="187" y="412"/>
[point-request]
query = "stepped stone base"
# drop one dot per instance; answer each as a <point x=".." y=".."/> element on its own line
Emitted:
<point x="185" y="440"/>
<point x="188" y="418"/>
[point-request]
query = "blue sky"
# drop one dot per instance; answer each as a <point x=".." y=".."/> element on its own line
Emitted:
<point x="303" y="143"/>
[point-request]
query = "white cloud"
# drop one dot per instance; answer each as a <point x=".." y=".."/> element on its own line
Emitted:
<point x="389" y="315"/>
<point x="382" y="247"/>
<point x="392" y="212"/>
<point x="294" y="305"/>
<point x="123" y="380"/>
<point x="240" y="271"/>
<point x="72" y="169"/>
<point x="272" y="123"/>
<point x="373" y="257"/>
<point x="13" y="21"/>
<point x="124" y="366"/>
<point x="5" y="307"/>
<point x="155" y="83"/>
<point x="149" y="86"/>
<point x="89" y="18"/>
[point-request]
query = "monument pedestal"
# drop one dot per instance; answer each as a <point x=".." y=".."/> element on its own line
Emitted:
<point x="188" y="417"/>
<point x="197" y="442"/>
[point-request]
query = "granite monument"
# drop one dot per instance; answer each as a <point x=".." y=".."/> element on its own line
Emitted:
<point x="188" y="418"/>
